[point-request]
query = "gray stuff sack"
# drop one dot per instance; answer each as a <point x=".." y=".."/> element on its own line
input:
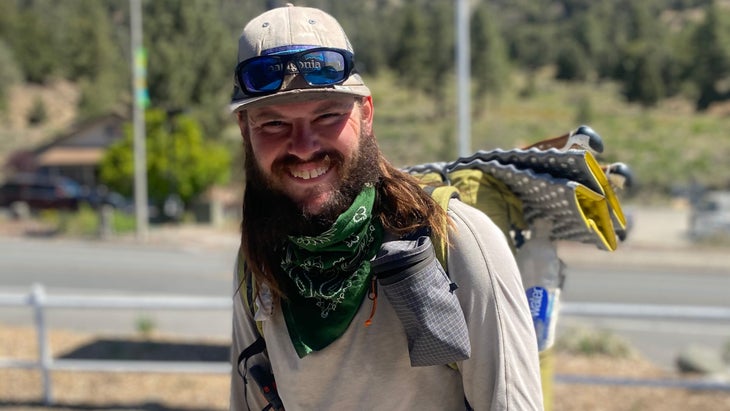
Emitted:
<point x="422" y="296"/>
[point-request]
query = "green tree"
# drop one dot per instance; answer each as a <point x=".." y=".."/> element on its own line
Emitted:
<point x="190" y="59"/>
<point x="711" y="55"/>
<point x="179" y="161"/>
<point x="572" y="62"/>
<point x="411" y="55"/>
<point x="489" y="64"/>
<point x="642" y="53"/>
<point x="441" y="48"/>
<point x="641" y="75"/>
<point x="9" y="73"/>
<point x="533" y="46"/>
<point x="34" y="45"/>
<point x="93" y="59"/>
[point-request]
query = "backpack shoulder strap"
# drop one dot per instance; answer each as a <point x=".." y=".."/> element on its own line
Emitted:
<point x="442" y="195"/>
<point x="247" y="288"/>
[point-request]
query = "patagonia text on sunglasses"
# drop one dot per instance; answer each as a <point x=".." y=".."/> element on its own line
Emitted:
<point x="318" y="66"/>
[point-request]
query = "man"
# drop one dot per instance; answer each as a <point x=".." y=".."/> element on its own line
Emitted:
<point x="323" y="213"/>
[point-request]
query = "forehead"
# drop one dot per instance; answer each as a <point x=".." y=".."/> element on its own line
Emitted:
<point x="313" y="107"/>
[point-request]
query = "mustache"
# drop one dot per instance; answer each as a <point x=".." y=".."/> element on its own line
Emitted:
<point x="289" y="160"/>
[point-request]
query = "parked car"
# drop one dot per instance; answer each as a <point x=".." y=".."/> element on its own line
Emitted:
<point x="710" y="216"/>
<point x="40" y="192"/>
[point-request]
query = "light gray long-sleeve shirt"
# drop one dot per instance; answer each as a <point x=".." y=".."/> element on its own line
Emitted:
<point x="368" y="368"/>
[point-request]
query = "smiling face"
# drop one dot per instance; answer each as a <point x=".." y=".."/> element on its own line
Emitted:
<point x="310" y="151"/>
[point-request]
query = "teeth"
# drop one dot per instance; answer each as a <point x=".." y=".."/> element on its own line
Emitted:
<point x="309" y="174"/>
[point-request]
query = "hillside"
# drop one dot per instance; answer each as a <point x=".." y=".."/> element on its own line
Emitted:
<point x="16" y="133"/>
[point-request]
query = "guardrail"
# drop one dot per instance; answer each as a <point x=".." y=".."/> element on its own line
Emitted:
<point x="40" y="301"/>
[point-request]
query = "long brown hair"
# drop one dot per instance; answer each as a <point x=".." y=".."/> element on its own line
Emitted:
<point x="401" y="204"/>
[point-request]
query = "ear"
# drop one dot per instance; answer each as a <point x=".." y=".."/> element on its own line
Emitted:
<point x="366" y="112"/>
<point x="242" y="120"/>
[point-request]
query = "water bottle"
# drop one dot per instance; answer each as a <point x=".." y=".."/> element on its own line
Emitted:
<point x="540" y="269"/>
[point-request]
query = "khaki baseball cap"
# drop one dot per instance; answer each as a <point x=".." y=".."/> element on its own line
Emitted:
<point x="292" y="27"/>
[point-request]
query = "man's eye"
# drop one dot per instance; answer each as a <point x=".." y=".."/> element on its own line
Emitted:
<point x="330" y="117"/>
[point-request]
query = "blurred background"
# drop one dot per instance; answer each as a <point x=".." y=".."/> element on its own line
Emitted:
<point x="652" y="77"/>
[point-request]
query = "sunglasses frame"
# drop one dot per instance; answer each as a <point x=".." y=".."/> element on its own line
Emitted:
<point x="285" y="59"/>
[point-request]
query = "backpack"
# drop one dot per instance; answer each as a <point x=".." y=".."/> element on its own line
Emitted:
<point x="558" y="178"/>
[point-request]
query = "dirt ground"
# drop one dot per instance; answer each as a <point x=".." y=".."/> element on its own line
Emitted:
<point x="22" y="389"/>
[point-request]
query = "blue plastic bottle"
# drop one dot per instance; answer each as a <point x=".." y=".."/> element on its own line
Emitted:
<point x="539" y="267"/>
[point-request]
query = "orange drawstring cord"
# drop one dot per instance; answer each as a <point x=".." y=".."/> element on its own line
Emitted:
<point x="373" y="296"/>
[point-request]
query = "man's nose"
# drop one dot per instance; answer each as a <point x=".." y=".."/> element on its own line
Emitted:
<point x="304" y="141"/>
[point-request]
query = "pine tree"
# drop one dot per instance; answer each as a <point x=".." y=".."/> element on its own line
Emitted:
<point x="190" y="59"/>
<point x="411" y="55"/>
<point x="489" y="65"/>
<point x="711" y="56"/>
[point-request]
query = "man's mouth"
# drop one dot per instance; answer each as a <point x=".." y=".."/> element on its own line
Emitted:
<point x="310" y="173"/>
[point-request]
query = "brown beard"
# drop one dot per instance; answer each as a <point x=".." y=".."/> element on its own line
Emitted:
<point x="270" y="216"/>
<point x="268" y="210"/>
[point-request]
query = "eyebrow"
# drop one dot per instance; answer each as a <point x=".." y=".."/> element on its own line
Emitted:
<point x="328" y="106"/>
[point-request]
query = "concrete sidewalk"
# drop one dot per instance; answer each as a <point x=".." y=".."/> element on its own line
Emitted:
<point x="658" y="238"/>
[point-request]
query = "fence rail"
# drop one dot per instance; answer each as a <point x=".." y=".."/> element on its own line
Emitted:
<point x="39" y="301"/>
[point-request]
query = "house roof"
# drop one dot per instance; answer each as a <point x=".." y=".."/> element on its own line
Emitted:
<point x="83" y="144"/>
<point x="70" y="156"/>
<point x="96" y="132"/>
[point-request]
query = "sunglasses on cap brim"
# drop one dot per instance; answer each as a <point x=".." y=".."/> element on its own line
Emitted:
<point x="319" y="67"/>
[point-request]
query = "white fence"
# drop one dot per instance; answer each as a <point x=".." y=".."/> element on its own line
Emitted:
<point x="40" y="301"/>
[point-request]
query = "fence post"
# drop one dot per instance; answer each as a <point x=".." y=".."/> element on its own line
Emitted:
<point x="38" y="297"/>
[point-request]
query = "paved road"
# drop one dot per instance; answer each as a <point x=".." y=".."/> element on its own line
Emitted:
<point x="661" y="341"/>
<point x="200" y="267"/>
<point x="118" y="268"/>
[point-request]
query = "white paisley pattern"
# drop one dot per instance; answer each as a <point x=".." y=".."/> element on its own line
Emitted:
<point x="327" y="266"/>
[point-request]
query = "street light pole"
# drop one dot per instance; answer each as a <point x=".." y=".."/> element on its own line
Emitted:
<point x="463" y="77"/>
<point x="139" y="89"/>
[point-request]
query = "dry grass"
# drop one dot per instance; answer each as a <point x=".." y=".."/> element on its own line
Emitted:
<point x="21" y="389"/>
<point x="575" y="397"/>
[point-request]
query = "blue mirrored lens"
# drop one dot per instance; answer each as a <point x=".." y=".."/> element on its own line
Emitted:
<point x="263" y="74"/>
<point x="321" y="68"/>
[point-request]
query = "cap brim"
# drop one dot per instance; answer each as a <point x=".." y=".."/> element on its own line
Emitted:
<point x="358" y="89"/>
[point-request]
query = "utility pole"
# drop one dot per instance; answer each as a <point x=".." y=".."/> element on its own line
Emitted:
<point x="463" y="77"/>
<point x="139" y="88"/>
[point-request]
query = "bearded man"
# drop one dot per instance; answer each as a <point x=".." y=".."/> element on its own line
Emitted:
<point x="340" y="298"/>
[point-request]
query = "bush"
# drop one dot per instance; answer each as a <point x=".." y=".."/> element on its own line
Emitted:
<point x="587" y="342"/>
<point x="86" y="221"/>
<point x="37" y="114"/>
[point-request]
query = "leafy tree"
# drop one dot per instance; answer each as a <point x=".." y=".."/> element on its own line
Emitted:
<point x="34" y="44"/>
<point x="92" y="58"/>
<point x="411" y="56"/>
<point x="37" y="114"/>
<point x="533" y="46"/>
<point x="572" y="62"/>
<point x="179" y="161"/>
<point x="641" y="54"/>
<point x="10" y="73"/>
<point x="711" y="56"/>
<point x="490" y="67"/>
<point x="190" y="59"/>
<point x="642" y="80"/>
<point x="441" y="33"/>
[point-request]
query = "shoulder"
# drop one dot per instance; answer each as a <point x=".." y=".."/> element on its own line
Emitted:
<point x="473" y="220"/>
<point x="477" y="244"/>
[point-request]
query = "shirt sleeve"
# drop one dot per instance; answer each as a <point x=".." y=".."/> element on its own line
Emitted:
<point x="503" y="372"/>
<point x="244" y="333"/>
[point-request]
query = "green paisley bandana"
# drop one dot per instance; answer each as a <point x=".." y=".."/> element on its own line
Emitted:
<point x="330" y="274"/>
